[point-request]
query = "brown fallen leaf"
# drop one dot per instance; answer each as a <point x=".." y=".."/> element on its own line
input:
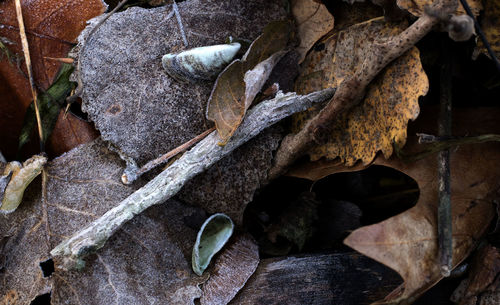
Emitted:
<point x="391" y="100"/>
<point x="237" y="86"/>
<point x="233" y="267"/>
<point x="313" y="22"/>
<point x="51" y="27"/>
<point x="482" y="287"/>
<point x="416" y="7"/>
<point x="408" y="242"/>
<point x="490" y="24"/>
<point x="148" y="260"/>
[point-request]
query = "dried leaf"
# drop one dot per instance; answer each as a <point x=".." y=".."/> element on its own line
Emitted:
<point x="213" y="235"/>
<point x="482" y="287"/>
<point x="145" y="262"/>
<point x="390" y="101"/>
<point x="135" y="105"/>
<point x="51" y="28"/>
<point x="417" y="7"/>
<point x="22" y="175"/>
<point x="313" y="22"/>
<point x="490" y="24"/>
<point x="235" y="88"/>
<point x="408" y="242"/>
<point x="232" y="268"/>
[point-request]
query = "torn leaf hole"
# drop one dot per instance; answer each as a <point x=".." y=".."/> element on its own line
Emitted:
<point x="47" y="267"/>
<point x="43" y="299"/>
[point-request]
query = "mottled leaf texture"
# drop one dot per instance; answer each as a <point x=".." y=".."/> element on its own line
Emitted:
<point x="237" y="86"/>
<point x="51" y="27"/>
<point x="408" y="242"/>
<point x="417" y="7"/>
<point x="213" y="235"/>
<point x="313" y="22"/>
<point x="232" y="268"/>
<point x="146" y="261"/>
<point x="490" y="24"/>
<point x="133" y="102"/>
<point x="391" y="100"/>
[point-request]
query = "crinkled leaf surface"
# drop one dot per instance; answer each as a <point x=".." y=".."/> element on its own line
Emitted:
<point x="380" y="121"/>
<point x="133" y="102"/>
<point x="232" y="268"/>
<point x="146" y="261"/>
<point x="408" y="242"/>
<point x="313" y="22"/>
<point x="416" y="7"/>
<point x="237" y="86"/>
<point x="51" y="27"/>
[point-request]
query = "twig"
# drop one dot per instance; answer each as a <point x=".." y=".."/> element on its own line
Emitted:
<point x="79" y="87"/>
<point x="179" y="21"/>
<point x="130" y="176"/>
<point x="481" y="34"/>
<point x="351" y="91"/>
<point x="27" y="59"/>
<point x="441" y="143"/>
<point x="72" y="251"/>
<point x="445" y="230"/>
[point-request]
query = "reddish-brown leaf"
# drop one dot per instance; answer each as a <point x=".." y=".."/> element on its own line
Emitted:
<point x="52" y="27"/>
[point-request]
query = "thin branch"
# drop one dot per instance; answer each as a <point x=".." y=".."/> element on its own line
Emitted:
<point x="179" y="21"/>
<point x="27" y="59"/>
<point x="70" y="253"/>
<point x="130" y="176"/>
<point x="350" y="92"/>
<point x="445" y="229"/>
<point x="481" y="34"/>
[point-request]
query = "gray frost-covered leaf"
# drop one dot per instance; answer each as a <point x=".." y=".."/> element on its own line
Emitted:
<point x="146" y="261"/>
<point x="133" y="102"/>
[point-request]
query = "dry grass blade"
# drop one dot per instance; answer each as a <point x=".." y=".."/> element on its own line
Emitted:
<point x="27" y="58"/>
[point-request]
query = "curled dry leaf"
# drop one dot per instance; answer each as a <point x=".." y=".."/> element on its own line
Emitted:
<point x="391" y="100"/>
<point x="145" y="262"/>
<point x="313" y="22"/>
<point x="482" y="287"/>
<point x="490" y="24"/>
<point x="237" y="86"/>
<point x="408" y="242"/>
<point x="51" y="29"/>
<point x="417" y="7"/>
<point x="20" y="177"/>
<point x="232" y="268"/>
<point x="213" y="235"/>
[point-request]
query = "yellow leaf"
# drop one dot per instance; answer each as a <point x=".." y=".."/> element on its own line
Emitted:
<point x="490" y="24"/>
<point x="390" y="101"/>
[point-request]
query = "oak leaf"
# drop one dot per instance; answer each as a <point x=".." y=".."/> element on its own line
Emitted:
<point x="417" y="7"/>
<point x="390" y="101"/>
<point x="408" y="242"/>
